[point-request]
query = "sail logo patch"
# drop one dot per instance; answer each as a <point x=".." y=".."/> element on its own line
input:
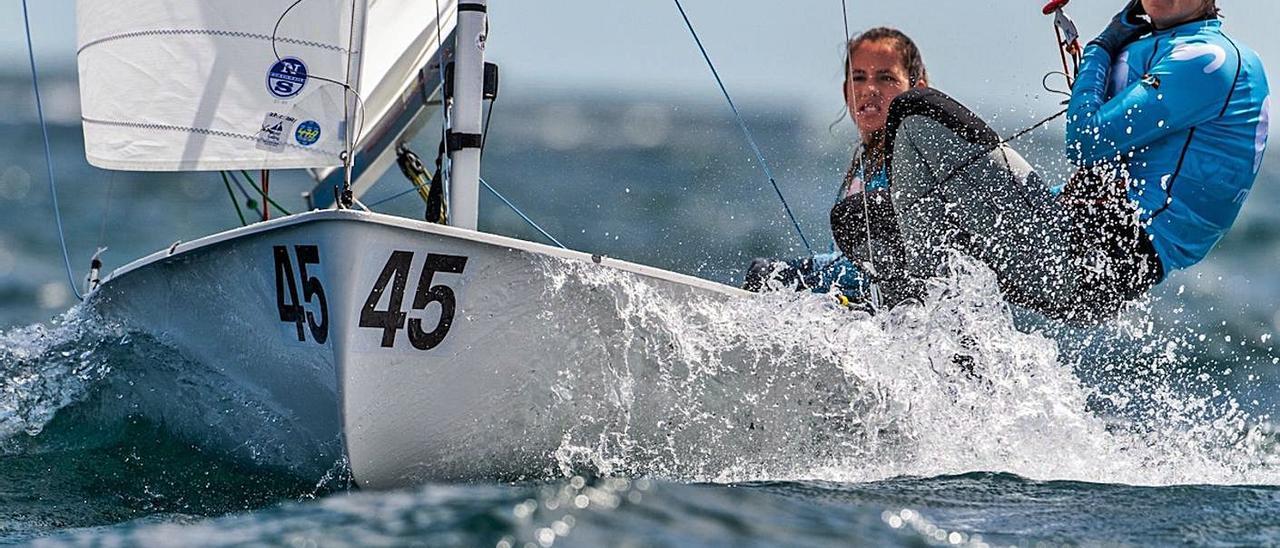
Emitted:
<point x="275" y="131"/>
<point x="307" y="133"/>
<point x="287" y="77"/>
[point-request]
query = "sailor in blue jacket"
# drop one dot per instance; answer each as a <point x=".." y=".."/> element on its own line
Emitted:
<point x="1168" y="122"/>
<point x="1181" y="114"/>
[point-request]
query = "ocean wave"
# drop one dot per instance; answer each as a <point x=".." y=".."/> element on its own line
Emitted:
<point x="791" y="387"/>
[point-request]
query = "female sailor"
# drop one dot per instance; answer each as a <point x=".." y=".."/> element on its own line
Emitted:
<point x="880" y="64"/>
<point x="1168" y="123"/>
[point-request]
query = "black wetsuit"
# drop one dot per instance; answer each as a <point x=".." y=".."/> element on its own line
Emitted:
<point x="955" y="187"/>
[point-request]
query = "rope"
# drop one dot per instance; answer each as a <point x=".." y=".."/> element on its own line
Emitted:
<point x="870" y="265"/>
<point x="486" y="185"/>
<point x="106" y="209"/>
<point x="349" y="50"/>
<point x="1037" y="125"/>
<point x="48" y="154"/>
<point x="392" y="197"/>
<point x="249" y="202"/>
<point x="545" y="234"/>
<point x="442" y="160"/>
<point x="522" y="215"/>
<point x="262" y="193"/>
<point x="743" y="125"/>
<point x="232" y="195"/>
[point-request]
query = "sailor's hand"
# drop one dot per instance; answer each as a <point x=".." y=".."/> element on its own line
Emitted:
<point x="1125" y="27"/>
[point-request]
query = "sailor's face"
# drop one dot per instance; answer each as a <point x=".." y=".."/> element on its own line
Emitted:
<point x="876" y="76"/>
<point x="1171" y="13"/>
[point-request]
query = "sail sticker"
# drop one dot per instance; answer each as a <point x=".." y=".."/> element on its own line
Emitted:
<point x="287" y="77"/>
<point x="307" y="133"/>
<point x="275" y="130"/>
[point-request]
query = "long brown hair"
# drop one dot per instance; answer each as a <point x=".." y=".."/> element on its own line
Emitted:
<point x="1211" y="8"/>
<point x="912" y="61"/>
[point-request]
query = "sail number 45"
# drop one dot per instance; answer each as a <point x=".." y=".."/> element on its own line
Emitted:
<point x="395" y="278"/>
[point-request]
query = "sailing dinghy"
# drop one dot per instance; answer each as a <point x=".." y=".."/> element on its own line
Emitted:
<point x="415" y="351"/>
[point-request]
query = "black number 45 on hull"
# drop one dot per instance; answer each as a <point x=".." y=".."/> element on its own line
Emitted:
<point x="396" y="275"/>
<point x="292" y="311"/>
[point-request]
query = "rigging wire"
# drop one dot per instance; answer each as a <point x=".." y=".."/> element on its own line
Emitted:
<point x="249" y="202"/>
<point x="393" y="196"/>
<point x="442" y="160"/>
<point x="48" y="154"/>
<point x="866" y="208"/>
<point x="106" y="208"/>
<point x="232" y="195"/>
<point x="521" y="214"/>
<point x="743" y="125"/>
<point x="496" y="194"/>
<point x="360" y="108"/>
<point x="844" y="11"/>
<point x="262" y="193"/>
<point x="349" y="138"/>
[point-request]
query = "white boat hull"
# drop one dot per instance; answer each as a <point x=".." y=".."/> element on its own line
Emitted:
<point x="328" y="324"/>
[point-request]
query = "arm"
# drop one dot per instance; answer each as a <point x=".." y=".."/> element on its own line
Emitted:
<point x="1185" y="88"/>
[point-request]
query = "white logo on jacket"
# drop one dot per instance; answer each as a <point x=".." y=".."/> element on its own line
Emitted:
<point x="1120" y="73"/>
<point x="1264" y="127"/>
<point x="1188" y="51"/>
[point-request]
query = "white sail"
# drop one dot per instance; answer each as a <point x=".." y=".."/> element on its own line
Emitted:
<point x="400" y="72"/>
<point x="403" y="37"/>
<point x="172" y="85"/>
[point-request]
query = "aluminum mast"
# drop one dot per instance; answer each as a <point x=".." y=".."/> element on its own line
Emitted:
<point x="464" y="134"/>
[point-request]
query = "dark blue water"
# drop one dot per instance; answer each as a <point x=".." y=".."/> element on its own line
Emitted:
<point x="1154" y="430"/>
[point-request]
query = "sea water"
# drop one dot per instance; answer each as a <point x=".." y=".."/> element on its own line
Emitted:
<point x="1154" y="429"/>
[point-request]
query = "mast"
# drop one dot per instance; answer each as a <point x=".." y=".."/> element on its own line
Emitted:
<point x="464" y="136"/>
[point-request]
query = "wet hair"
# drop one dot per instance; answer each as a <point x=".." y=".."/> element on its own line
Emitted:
<point x="912" y="60"/>
<point x="1211" y="8"/>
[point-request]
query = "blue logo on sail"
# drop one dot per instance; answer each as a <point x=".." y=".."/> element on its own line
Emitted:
<point x="287" y="77"/>
<point x="307" y="133"/>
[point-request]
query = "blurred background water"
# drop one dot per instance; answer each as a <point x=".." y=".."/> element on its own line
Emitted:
<point x="628" y="153"/>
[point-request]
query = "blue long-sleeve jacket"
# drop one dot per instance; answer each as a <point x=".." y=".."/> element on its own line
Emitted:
<point x="1181" y="114"/>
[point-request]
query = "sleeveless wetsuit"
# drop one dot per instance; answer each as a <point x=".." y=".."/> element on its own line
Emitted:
<point x="1182" y="115"/>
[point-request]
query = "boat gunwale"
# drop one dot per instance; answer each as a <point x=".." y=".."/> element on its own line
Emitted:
<point x="180" y="249"/>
